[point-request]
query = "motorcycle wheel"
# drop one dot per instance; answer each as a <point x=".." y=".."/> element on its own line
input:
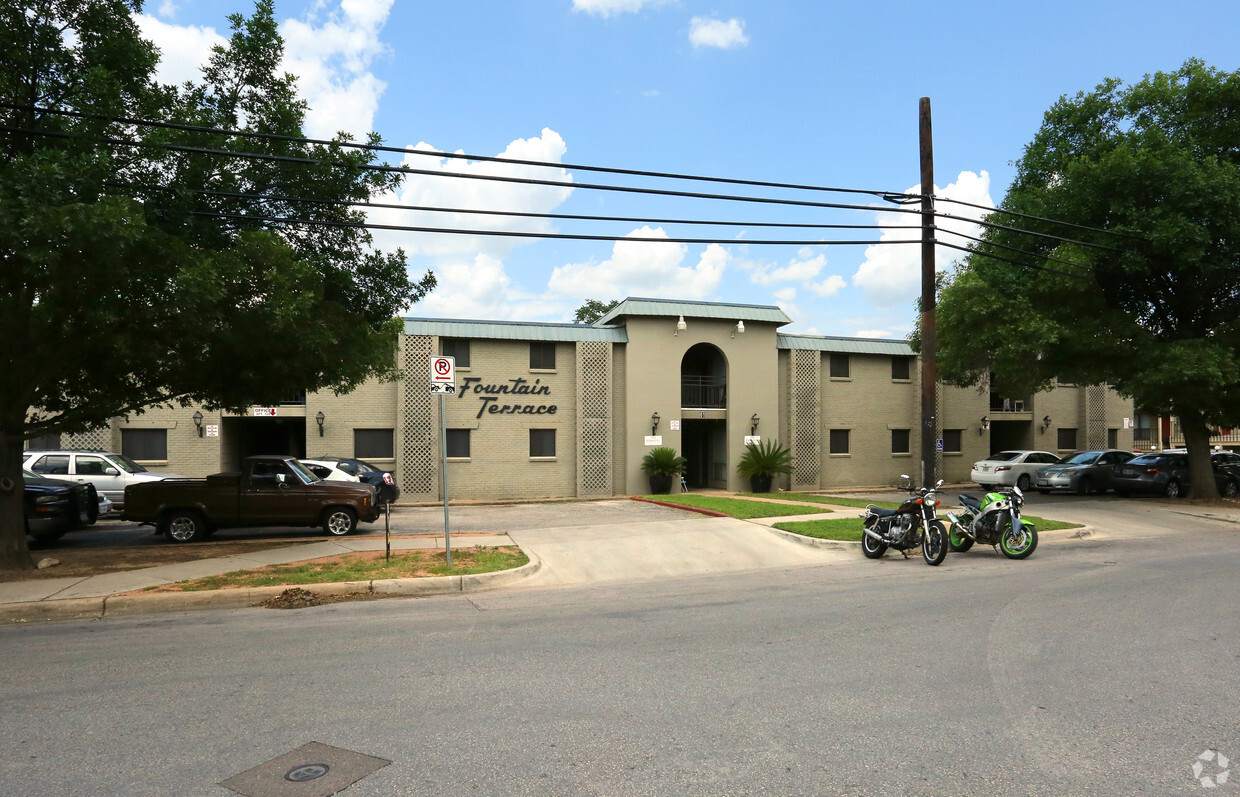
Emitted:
<point x="957" y="541"/>
<point x="1019" y="546"/>
<point x="872" y="548"/>
<point x="934" y="543"/>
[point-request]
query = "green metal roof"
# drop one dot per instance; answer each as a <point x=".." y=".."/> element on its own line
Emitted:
<point x="844" y="345"/>
<point x="674" y="308"/>
<point x="513" y="330"/>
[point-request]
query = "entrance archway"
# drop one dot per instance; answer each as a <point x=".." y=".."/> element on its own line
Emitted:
<point x="703" y="412"/>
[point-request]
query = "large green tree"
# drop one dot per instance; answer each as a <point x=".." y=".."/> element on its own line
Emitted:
<point x="141" y="265"/>
<point x="1151" y="305"/>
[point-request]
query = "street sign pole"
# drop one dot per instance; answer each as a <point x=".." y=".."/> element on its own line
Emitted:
<point x="443" y="382"/>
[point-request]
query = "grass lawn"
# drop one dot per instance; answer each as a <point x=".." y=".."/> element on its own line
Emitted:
<point x="847" y="529"/>
<point x="735" y="507"/>
<point x="367" y="566"/>
<point x="834" y="500"/>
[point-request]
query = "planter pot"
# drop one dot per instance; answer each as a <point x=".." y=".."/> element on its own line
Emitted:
<point x="660" y="484"/>
<point x="760" y="482"/>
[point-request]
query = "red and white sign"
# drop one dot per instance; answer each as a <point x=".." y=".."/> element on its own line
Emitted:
<point x="443" y="374"/>
<point x="264" y="412"/>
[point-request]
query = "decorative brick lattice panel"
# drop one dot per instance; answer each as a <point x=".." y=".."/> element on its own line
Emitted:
<point x="806" y="422"/>
<point x="418" y="469"/>
<point x="97" y="439"/>
<point x="594" y="421"/>
<point x="938" y="431"/>
<point x="1095" y="415"/>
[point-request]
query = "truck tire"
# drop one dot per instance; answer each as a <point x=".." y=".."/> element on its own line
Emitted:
<point x="184" y="525"/>
<point x="339" y="521"/>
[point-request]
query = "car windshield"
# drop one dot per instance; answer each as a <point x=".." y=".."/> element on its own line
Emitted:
<point x="1081" y="458"/>
<point x="1148" y="459"/>
<point x="366" y="467"/>
<point x="1003" y="456"/>
<point x="126" y="464"/>
<point x="303" y="472"/>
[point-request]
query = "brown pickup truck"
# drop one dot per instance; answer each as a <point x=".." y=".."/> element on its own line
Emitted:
<point x="267" y="491"/>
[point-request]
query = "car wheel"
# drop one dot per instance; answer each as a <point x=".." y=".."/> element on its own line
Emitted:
<point x="339" y="521"/>
<point x="1023" y="482"/>
<point x="184" y="525"/>
<point x="1085" y="486"/>
<point x="1173" y="489"/>
<point x="1230" y="488"/>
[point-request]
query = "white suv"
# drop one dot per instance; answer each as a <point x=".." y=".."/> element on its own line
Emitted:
<point x="109" y="472"/>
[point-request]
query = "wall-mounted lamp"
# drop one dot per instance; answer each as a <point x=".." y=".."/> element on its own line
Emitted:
<point x="198" y="422"/>
<point x="985" y="425"/>
<point x="1046" y="423"/>
<point x="680" y="326"/>
<point x="753" y="425"/>
<point x="740" y="327"/>
<point x="654" y="423"/>
<point x="319" y="417"/>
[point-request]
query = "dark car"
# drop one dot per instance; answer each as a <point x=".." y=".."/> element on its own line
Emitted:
<point x="1168" y="474"/>
<point x="383" y="479"/>
<point x="54" y="507"/>
<point x="1082" y="472"/>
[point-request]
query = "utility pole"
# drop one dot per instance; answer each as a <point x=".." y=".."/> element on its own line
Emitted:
<point x="929" y="369"/>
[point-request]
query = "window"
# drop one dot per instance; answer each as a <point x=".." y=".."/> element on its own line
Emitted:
<point x="54" y="465"/>
<point x="839" y="441"/>
<point x="1067" y="439"/>
<point x="542" y="355"/>
<point x="92" y="466"/>
<point x="44" y="442"/>
<point x="1112" y="438"/>
<point x="148" y="444"/>
<point x="901" y="368"/>
<point x="951" y="441"/>
<point x="900" y="441"/>
<point x="457" y="348"/>
<point x="542" y="442"/>
<point x="458" y="443"/>
<point x="373" y="444"/>
<point x="839" y="366"/>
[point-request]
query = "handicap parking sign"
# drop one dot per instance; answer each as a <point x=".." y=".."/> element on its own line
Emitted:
<point x="938" y="445"/>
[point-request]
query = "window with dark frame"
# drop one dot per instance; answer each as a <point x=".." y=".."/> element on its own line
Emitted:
<point x="458" y="443"/>
<point x="374" y="444"/>
<point x="1066" y="440"/>
<point x="839" y="441"/>
<point x="951" y="441"/>
<point x="900" y="441"/>
<point x="1112" y="438"/>
<point x="456" y="348"/>
<point x="47" y="442"/>
<point x="542" y="355"/>
<point x="145" y="444"/>
<point x="542" y="442"/>
<point x="839" y="366"/>
<point x="901" y="368"/>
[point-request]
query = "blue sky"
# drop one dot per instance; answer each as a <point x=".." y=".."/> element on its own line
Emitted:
<point x="819" y="93"/>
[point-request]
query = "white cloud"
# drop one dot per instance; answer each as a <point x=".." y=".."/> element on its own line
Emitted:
<point x="890" y="275"/>
<point x="643" y="269"/>
<point x="470" y="194"/>
<point x="876" y="333"/>
<point x="611" y="8"/>
<point x="828" y="287"/>
<point x="167" y="9"/>
<point x="183" y="49"/>
<point x="476" y="288"/>
<point x="798" y="270"/>
<point x="707" y="32"/>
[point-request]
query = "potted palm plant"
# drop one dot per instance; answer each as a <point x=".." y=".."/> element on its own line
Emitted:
<point x="761" y="461"/>
<point x="661" y="465"/>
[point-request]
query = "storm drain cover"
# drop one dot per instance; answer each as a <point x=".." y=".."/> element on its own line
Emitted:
<point x="312" y="770"/>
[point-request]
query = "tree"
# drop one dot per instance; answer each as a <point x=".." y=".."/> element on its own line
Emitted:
<point x="1145" y="294"/>
<point x="593" y="310"/>
<point x="117" y="293"/>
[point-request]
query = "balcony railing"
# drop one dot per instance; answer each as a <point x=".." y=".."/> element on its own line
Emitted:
<point x="703" y="392"/>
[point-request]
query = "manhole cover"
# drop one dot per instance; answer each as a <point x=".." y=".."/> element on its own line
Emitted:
<point x="312" y="770"/>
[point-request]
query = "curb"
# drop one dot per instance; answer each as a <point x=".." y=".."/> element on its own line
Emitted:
<point x="699" y="510"/>
<point x="164" y="602"/>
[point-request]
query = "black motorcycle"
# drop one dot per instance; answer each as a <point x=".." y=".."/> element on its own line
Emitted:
<point x="910" y="524"/>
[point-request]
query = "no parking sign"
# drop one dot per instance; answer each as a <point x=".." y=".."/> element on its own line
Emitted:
<point x="443" y="374"/>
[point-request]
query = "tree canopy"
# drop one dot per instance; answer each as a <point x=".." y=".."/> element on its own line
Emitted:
<point x="144" y="264"/>
<point x="1141" y="287"/>
<point x="593" y="309"/>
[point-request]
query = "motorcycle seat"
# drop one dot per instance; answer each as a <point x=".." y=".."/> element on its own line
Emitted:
<point x="883" y="512"/>
<point x="970" y="502"/>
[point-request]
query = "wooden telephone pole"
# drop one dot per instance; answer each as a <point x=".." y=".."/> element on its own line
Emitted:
<point x="929" y="369"/>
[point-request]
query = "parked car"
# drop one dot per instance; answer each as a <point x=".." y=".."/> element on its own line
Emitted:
<point x="1169" y="475"/>
<point x="331" y="471"/>
<point x="383" y="479"/>
<point x="1011" y="468"/>
<point x="110" y="472"/>
<point x="267" y="491"/>
<point x="54" y="507"/>
<point x="1082" y="472"/>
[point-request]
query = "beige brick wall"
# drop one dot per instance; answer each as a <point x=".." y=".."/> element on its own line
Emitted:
<point x="869" y="404"/>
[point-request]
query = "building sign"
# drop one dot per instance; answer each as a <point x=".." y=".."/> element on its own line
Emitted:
<point x="264" y="412"/>
<point x="654" y="440"/>
<point x="514" y="393"/>
<point x="213" y="430"/>
<point x="674" y="425"/>
<point x="753" y="439"/>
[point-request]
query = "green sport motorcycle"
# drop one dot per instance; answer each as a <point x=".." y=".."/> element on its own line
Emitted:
<point x="994" y="519"/>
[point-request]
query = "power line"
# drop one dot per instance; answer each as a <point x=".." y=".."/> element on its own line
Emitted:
<point x="1039" y="218"/>
<point x="1014" y="262"/>
<point x="1050" y="258"/>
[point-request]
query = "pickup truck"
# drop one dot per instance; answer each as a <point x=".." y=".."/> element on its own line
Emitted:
<point x="267" y="491"/>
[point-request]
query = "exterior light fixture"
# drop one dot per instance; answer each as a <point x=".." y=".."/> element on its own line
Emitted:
<point x="198" y="422"/>
<point x="740" y="327"/>
<point x="1046" y="422"/>
<point x="985" y="425"/>
<point x="319" y="417"/>
<point x="654" y="423"/>
<point x="753" y="425"/>
<point x="681" y="326"/>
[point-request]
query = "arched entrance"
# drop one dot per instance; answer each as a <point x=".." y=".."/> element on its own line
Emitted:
<point x="703" y="412"/>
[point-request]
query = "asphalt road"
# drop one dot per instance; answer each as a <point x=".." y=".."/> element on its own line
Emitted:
<point x="1103" y="666"/>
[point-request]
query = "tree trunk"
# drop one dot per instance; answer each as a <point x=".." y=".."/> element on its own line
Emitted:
<point x="1197" y="441"/>
<point x="14" y="553"/>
